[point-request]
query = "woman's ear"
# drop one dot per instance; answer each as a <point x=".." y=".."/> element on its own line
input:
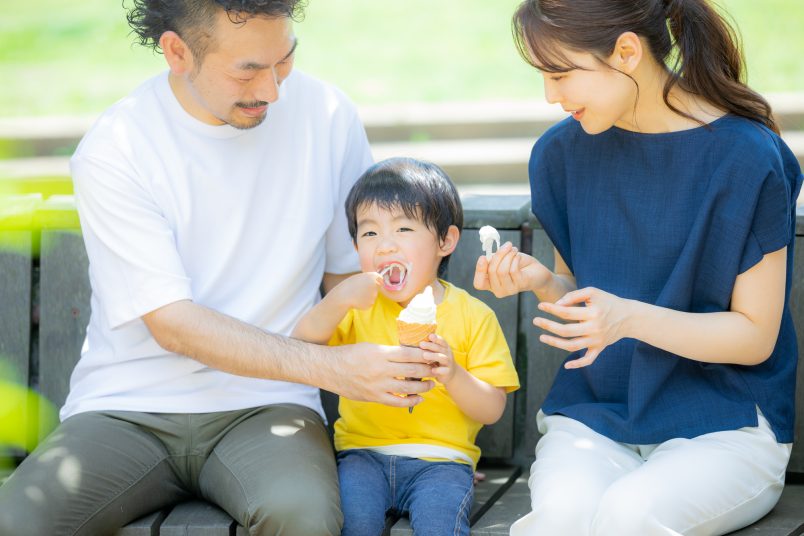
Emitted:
<point x="627" y="53"/>
<point x="177" y="54"/>
<point x="450" y="241"/>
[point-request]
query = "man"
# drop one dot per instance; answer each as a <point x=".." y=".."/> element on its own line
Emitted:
<point x="211" y="202"/>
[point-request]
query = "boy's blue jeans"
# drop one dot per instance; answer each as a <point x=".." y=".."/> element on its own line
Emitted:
<point x="437" y="496"/>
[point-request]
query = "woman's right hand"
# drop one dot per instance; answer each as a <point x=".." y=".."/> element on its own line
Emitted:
<point x="509" y="272"/>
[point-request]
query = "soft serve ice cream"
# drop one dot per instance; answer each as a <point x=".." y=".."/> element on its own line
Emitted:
<point x="489" y="237"/>
<point x="418" y="320"/>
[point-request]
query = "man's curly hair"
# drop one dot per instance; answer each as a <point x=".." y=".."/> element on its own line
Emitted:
<point x="194" y="20"/>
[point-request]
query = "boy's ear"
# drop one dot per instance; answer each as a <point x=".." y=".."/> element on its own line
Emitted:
<point x="450" y="241"/>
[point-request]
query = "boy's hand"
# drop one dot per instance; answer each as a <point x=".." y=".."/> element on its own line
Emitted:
<point x="510" y="272"/>
<point x="358" y="291"/>
<point x="439" y="354"/>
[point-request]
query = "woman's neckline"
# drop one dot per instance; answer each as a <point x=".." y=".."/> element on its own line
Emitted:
<point x="706" y="127"/>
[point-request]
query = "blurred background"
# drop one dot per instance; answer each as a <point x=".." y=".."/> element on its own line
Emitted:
<point x="59" y="57"/>
<point x="435" y="80"/>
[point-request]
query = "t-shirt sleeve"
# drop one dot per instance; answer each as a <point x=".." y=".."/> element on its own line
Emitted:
<point x="548" y="196"/>
<point x="135" y="267"/>
<point x="344" y="333"/>
<point x="341" y="255"/>
<point x="488" y="356"/>
<point x="773" y="224"/>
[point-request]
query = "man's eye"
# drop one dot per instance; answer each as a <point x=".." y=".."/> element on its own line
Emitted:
<point x="557" y="77"/>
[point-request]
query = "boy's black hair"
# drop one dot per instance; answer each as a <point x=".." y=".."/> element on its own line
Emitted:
<point x="422" y="190"/>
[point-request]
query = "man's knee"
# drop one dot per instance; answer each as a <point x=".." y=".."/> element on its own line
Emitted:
<point x="300" y="511"/>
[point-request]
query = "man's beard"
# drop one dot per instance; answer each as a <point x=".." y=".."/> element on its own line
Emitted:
<point x="250" y="122"/>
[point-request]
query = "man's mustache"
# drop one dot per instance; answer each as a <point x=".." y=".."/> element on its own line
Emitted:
<point x="255" y="104"/>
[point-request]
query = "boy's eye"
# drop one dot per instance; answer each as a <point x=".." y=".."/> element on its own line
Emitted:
<point x="369" y="233"/>
<point x="405" y="229"/>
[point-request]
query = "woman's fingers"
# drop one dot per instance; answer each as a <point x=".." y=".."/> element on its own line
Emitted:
<point x="574" y="329"/>
<point x="566" y="312"/>
<point x="481" y="280"/>
<point x="570" y="345"/>
<point x="584" y="361"/>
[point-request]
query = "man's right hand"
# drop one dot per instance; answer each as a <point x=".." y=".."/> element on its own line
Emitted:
<point x="373" y="373"/>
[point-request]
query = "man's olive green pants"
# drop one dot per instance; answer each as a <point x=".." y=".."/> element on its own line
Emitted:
<point x="271" y="468"/>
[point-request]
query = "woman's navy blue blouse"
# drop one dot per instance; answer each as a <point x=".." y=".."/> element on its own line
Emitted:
<point x="670" y="219"/>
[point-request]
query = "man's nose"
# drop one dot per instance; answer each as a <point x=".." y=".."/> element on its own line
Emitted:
<point x="268" y="88"/>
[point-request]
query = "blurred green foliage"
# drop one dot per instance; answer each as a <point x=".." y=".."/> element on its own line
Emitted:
<point x="59" y="57"/>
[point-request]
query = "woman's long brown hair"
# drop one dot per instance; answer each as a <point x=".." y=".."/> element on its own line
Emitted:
<point x="699" y="48"/>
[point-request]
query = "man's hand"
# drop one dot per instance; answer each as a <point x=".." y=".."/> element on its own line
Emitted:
<point x="374" y="373"/>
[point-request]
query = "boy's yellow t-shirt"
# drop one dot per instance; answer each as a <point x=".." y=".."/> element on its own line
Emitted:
<point x="471" y="329"/>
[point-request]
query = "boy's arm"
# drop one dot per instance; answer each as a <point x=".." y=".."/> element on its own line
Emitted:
<point x="479" y="400"/>
<point x="356" y="292"/>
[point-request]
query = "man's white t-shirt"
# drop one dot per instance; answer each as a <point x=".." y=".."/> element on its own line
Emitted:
<point x="245" y="222"/>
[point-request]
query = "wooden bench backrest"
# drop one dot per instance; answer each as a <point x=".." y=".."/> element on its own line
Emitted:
<point x="45" y="296"/>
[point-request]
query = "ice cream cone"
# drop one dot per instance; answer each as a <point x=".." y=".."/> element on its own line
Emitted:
<point x="412" y="334"/>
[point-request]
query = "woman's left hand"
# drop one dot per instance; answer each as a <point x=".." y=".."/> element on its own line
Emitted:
<point x="601" y="321"/>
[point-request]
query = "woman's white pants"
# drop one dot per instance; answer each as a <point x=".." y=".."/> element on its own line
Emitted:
<point x="583" y="483"/>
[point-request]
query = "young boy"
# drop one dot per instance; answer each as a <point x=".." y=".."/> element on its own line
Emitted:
<point x="404" y="218"/>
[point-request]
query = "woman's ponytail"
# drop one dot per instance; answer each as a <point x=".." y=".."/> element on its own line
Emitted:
<point x="709" y="61"/>
<point x="700" y="49"/>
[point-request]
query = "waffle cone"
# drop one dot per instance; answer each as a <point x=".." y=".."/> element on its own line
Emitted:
<point x="413" y="334"/>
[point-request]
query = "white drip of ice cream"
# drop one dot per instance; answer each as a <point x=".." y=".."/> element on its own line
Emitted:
<point x="489" y="237"/>
<point x="421" y="309"/>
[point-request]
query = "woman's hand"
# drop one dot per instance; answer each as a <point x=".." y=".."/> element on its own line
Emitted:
<point x="358" y="291"/>
<point x="596" y="319"/>
<point x="509" y="272"/>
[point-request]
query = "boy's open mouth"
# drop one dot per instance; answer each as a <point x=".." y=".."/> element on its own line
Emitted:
<point x="394" y="275"/>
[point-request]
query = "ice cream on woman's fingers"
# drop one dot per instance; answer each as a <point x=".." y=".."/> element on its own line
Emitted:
<point x="489" y="237"/>
<point x="418" y="320"/>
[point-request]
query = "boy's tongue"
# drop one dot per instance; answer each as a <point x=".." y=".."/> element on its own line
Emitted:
<point x="395" y="275"/>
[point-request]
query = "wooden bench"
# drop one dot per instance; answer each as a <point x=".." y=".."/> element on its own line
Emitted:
<point x="44" y="292"/>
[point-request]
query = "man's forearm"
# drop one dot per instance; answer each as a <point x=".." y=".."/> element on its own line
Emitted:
<point x="230" y="345"/>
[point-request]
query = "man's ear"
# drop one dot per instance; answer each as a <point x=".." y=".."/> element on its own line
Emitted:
<point x="177" y="53"/>
<point x="450" y="241"/>
<point x="627" y="53"/>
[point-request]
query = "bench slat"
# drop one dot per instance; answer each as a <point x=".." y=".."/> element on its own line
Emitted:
<point x="513" y="504"/>
<point x="796" y="464"/>
<point x="497" y="481"/>
<point x="15" y="301"/>
<point x="197" y="518"/>
<point x="64" y="302"/>
<point x="497" y="440"/>
<point x="784" y="519"/>
<point x="543" y="361"/>
<point x="145" y="526"/>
